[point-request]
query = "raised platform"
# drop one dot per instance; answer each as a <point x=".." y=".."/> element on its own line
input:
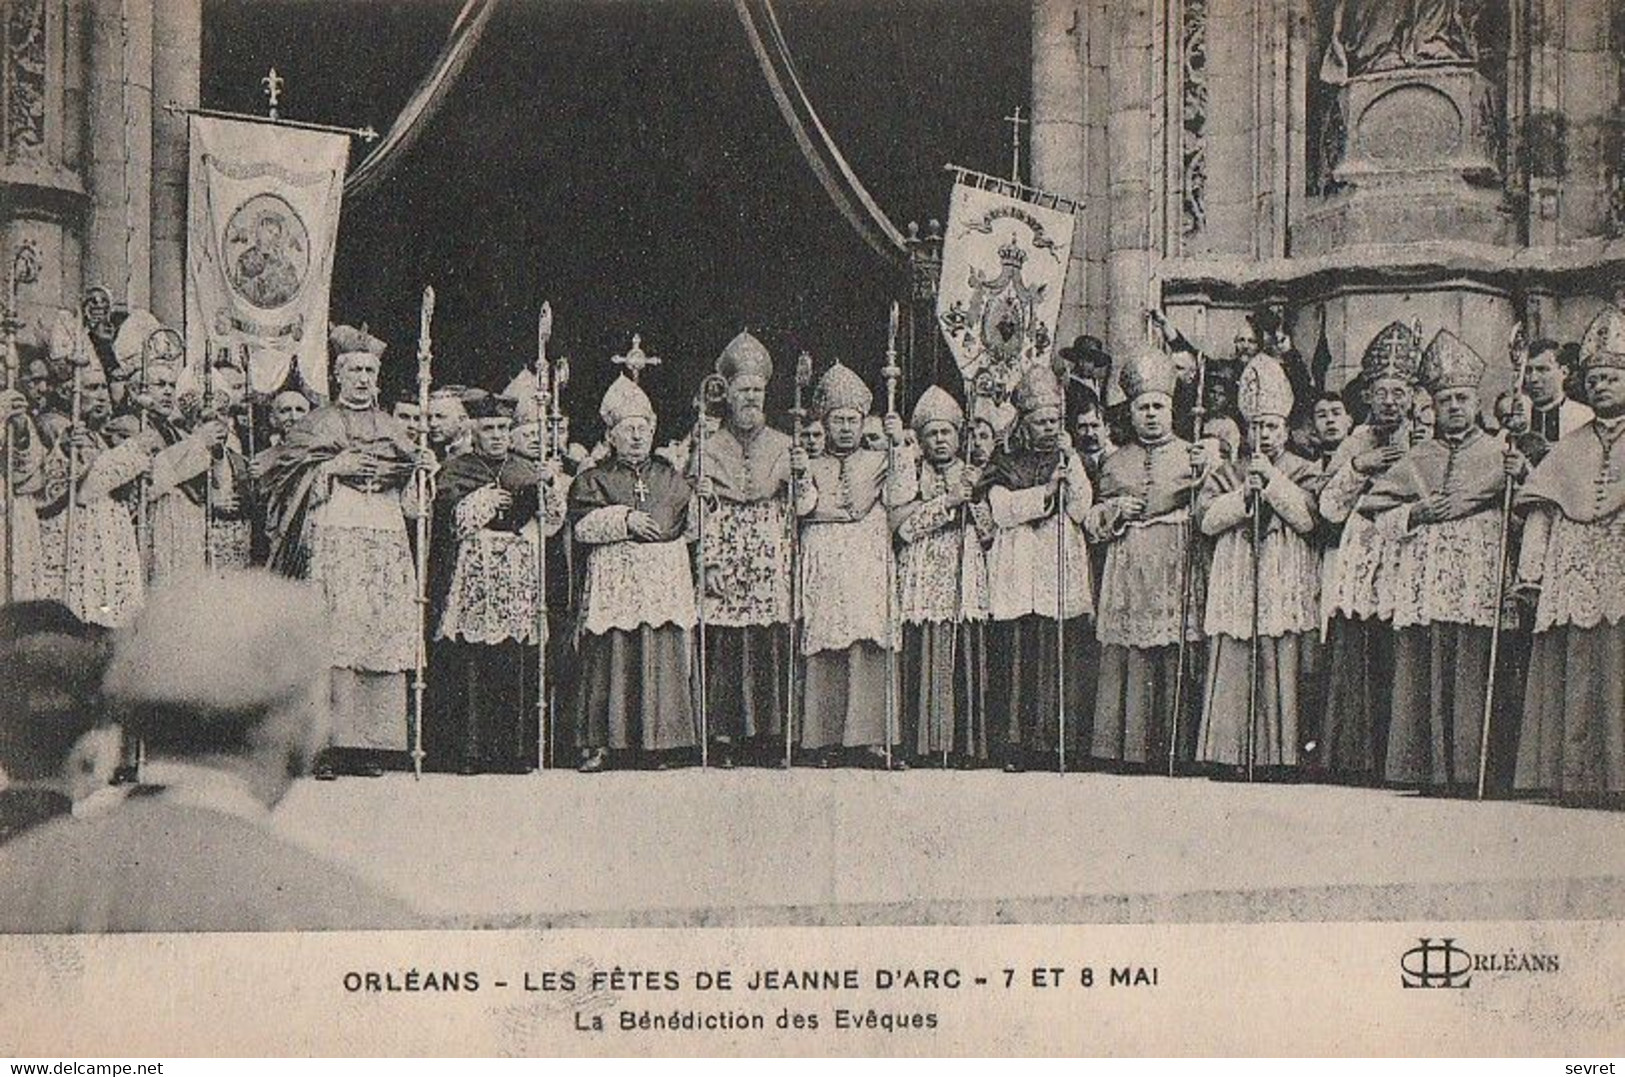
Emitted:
<point x="853" y="847"/>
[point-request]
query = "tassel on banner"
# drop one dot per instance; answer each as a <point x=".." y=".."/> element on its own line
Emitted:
<point x="982" y="181"/>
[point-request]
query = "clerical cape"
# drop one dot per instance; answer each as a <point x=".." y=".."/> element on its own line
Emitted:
<point x="1443" y="590"/>
<point x="1357" y="608"/>
<point x="637" y="608"/>
<point x="1138" y="612"/>
<point x="487" y="617"/>
<point x="349" y="534"/>
<point x="1574" y="548"/>
<point x="1030" y="593"/>
<point x="746" y="584"/>
<point x="943" y="600"/>
<point x="1288" y="612"/>
<point x="846" y="547"/>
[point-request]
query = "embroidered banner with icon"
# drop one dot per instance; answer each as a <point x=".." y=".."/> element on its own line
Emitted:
<point x="263" y="220"/>
<point x="1004" y="261"/>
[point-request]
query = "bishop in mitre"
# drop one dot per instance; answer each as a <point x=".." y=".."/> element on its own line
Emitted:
<point x="1441" y="506"/>
<point x="630" y="512"/>
<point x="1276" y="484"/>
<point x="943" y="593"/>
<point x="1572" y="570"/>
<point x="1038" y="493"/>
<point x="745" y="480"/>
<point x="850" y="632"/>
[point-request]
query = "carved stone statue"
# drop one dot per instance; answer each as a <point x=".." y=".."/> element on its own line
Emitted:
<point x="1370" y="36"/>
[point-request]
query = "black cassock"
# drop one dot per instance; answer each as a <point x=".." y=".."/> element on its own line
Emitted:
<point x="485" y="699"/>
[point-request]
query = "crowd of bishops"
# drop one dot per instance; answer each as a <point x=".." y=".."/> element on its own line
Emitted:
<point x="1162" y="562"/>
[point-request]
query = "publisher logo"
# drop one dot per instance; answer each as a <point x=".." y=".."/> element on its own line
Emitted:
<point x="1436" y="963"/>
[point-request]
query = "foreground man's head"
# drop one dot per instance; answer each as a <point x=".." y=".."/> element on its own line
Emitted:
<point x="228" y="670"/>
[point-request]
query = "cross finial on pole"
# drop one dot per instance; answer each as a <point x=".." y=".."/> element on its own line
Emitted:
<point x="635" y="358"/>
<point x="1016" y="121"/>
<point x="273" y="84"/>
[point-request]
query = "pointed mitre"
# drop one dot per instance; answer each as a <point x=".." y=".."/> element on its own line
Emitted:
<point x="1038" y="388"/>
<point x="841" y="388"/>
<point x="69" y="336"/>
<point x="1449" y="363"/>
<point x="347" y="340"/>
<point x="1148" y="372"/>
<point x="624" y="400"/>
<point x="132" y="338"/>
<point x="745" y="355"/>
<point x="1264" y="389"/>
<point x="1604" y="342"/>
<point x="937" y="405"/>
<point x="1396" y="352"/>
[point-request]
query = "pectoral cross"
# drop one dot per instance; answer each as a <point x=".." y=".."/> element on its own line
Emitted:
<point x="1016" y="122"/>
<point x="635" y="358"/>
<point x="1607" y="475"/>
<point x="640" y="490"/>
<point x="273" y="84"/>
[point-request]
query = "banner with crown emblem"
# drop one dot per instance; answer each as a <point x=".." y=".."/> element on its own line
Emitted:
<point x="1004" y="261"/>
<point x="262" y="223"/>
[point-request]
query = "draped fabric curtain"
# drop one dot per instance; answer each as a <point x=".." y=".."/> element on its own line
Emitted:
<point x="842" y="185"/>
<point x="772" y="52"/>
<point x="424" y="102"/>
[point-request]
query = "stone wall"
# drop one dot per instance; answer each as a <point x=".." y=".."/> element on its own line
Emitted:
<point x="1501" y="200"/>
<point x="91" y="171"/>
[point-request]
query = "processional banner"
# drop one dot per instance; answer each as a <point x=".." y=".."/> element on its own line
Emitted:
<point x="1004" y="264"/>
<point x="263" y="221"/>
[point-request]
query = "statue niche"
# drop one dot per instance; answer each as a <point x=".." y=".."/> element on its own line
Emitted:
<point x="1411" y="97"/>
<point x="1374" y="36"/>
<point x="1405" y="123"/>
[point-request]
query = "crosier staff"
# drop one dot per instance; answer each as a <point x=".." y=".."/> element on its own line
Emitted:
<point x="970" y="475"/>
<point x="1063" y="375"/>
<point x="1519" y="348"/>
<point x="798" y="415"/>
<point x="208" y="415"/>
<point x="423" y="479"/>
<point x="713" y="388"/>
<point x="1255" y="509"/>
<point x="558" y="448"/>
<point x="544" y="331"/>
<point x="248" y="405"/>
<point x="891" y="372"/>
<point x="1186" y="568"/>
<point x="76" y="413"/>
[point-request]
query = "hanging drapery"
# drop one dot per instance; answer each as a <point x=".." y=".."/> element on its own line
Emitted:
<point x="833" y="172"/>
<point x="424" y="102"/>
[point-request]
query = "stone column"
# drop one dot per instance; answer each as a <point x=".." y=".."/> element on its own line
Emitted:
<point x="1132" y="192"/>
<point x="1095" y="31"/>
<point x="1057" y="135"/>
<point x="1588" y="86"/>
<point x="41" y="193"/>
<point x="176" y="63"/>
<point x="120" y="150"/>
<point x="1229" y="127"/>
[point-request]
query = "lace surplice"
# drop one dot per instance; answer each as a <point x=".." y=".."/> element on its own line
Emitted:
<point x="941" y="569"/>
